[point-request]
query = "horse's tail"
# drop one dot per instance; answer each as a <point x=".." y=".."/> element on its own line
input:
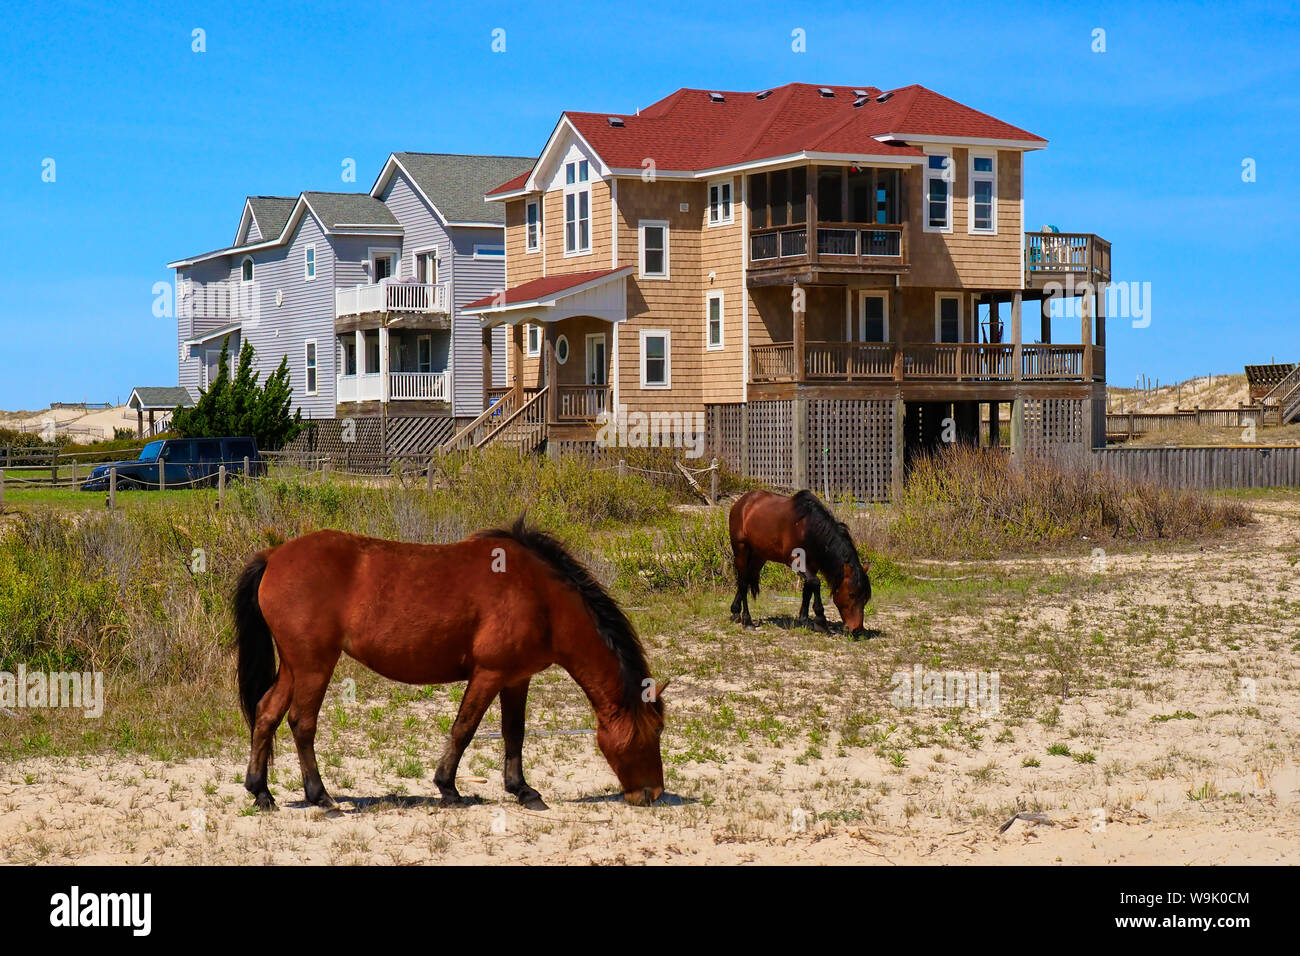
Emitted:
<point x="256" y="668"/>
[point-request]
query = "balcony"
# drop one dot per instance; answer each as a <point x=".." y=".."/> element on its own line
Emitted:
<point x="391" y="296"/>
<point x="848" y="362"/>
<point x="402" y="386"/>
<point x="1064" y="257"/>
<point x="852" y="247"/>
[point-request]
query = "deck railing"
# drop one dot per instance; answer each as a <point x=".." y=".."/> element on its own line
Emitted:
<point x="1084" y="255"/>
<point x="951" y="361"/>
<point x="389" y="296"/>
<point x="846" y="243"/>
<point x="424" y="386"/>
<point x="583" y="402"/>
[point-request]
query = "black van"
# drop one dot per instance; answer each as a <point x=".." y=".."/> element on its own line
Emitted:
<point x="186" y="463"/>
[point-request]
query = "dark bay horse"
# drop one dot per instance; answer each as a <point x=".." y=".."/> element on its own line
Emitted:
<point x="492" y="610"/>
<point x="797" y="531"/>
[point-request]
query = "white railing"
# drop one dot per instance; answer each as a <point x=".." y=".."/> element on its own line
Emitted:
<point x="225" y="300"/>
<point x="426" y="386"/>
<point x="389" y="296"/>
<point x="367" y="387"/>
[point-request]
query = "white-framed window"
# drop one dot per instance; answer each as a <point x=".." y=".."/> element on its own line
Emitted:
<point x="562" y="349"/>
<point x="713" y="321"/>
<point x="532" y="340"/>
<point x="654" y="248"/>
<point x="873" y="318"/>
<point x="424" y="266"/>
<point x="309" y="263"/>
<point x="577" y="208"/>
<point x="246" y="269"/>
<point x="720" y="211"/>
<point x="489" y="250"/>
<point x="939" y="179"/>
<point x="983" y="193"/>
<point x="533" y="221"/>
<point x="947" y="317"/>
<point x="383" y="264"/>
<point x="309" y="362"/>
<point x="656" y="359"/>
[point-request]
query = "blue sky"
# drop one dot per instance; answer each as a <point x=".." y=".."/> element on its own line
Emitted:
<point x="156" y="146"/>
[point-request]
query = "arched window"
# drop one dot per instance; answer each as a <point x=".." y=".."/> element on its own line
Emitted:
<point x="246" y="269"/>
<point x="562" y="349"/>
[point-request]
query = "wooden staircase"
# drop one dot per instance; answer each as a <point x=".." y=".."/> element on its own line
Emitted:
<point x="515" y="421"/>
<point x="1286" y="396"/>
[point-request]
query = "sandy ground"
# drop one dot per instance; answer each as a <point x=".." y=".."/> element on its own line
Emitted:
<point x="98" y="423"/>
<point x="1194" y="754"/>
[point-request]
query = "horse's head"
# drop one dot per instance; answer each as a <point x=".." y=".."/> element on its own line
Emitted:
<point x="852" y="595"/>
<point x="631" y="745"/>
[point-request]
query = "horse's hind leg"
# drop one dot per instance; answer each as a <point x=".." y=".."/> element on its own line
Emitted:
<point x="308" y="695"/>
<point x="806" y="597"/>
<point x="819" y="610"/>
<point x="270" y="711"/>
<point x="480" y="690"/>
<point x="739" y="560"/>
<point x="513" y="704"/>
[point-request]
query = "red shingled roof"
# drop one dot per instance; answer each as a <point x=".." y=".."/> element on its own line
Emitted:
<point x="689" y="131"/>
<point x="544" y="288"/>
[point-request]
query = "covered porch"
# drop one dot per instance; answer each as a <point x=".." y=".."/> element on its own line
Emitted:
<point x="394" y="365"/>
<point x="561" y="358"/>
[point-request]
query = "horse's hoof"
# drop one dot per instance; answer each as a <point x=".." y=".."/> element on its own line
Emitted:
<point x="325" y="802"/>
<point x="265" y="801"/>
<point x="822" y="626"/>
<point x="535" y="802"/>
<point x="451" y="800"/>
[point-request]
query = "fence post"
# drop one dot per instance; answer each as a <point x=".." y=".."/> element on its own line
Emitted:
<point x="622" y="468"/>
<point x="221" y="485"/>
<point x="162" y="475"/>
<point x="2" y="490"/>
<point x="428" y="478"/>
<point x="54" y="466"/>
<point x="112" y="488"/>
<point x="247" y="463"/>
<point x="74" y="472"/>
<point x="713" y="482"/>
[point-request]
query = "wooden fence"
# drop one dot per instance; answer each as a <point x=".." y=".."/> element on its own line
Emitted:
<point x="1205" y="467"/>
<point x="1130" y="424"/>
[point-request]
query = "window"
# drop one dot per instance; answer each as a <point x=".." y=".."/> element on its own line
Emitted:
<point x="656" y="358"/>
<point x="983" y="194"/>
<point x="947" y="318"/>
<point x="873" y="318"/>
<point x="424" y="354"/>
<point x="310" y="363"/>
<point x="246" y="269"/>
<point x="778" y="198"/>
<point x="372" y="352"/>
<point x="487" y="251"/>
<point x="381" y="266"/>
<point x="654" y="249"/>
<point x="350" y="356"/>
<point x="713" y="337"/>
<point x="533" y="217"/>
<point x="577" y="208"/>
<point x="309" y="264"/>
<point x="426" y="267"/>
<point x="562" y="349"/>
<point x="938" y="192"/>
<point x="720" y="203"/>
<point x="532" y="340"/>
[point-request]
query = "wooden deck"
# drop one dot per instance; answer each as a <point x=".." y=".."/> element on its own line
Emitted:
<point x="849" y="362"/>
<point x="1064" y="256"/>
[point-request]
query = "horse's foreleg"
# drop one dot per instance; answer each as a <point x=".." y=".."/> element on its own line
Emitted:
<point x="513" y="704"/>
<point x="308" y="695"/>
<point x="818" y="608"/>
<point x="808" y="580"/>
<point x="480" y="690"/>
<point x="270" y="711"/>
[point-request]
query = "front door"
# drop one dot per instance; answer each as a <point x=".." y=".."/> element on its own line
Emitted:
<point x="872" y="324"/>
<point x="597" y="368"/>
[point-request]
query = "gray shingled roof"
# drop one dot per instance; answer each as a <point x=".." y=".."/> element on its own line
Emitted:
<point x="456" y="184"/>
<point x="271" y="213"/>
<point x="350" y="209"/>
<point x="164" y="397"/>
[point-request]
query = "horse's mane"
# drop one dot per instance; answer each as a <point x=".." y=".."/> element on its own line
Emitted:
<point x="611" y="623"/>
<point x="830" y="541"/>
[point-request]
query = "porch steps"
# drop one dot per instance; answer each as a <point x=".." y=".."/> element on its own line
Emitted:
<point x="1286" y="396"/>
<point x="507" y="423"/>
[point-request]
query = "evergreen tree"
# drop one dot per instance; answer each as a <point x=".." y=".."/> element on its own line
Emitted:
<point x="232" y="407"/>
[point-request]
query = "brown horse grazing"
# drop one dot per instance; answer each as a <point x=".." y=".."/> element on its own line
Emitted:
<point x="492" y="610"/>
<point x="800" y="532"/>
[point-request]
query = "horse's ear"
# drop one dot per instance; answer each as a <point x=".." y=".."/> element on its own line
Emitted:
<point x="661" y="687"/>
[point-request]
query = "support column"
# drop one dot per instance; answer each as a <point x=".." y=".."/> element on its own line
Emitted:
<point x="995" y="424"/>
<point x="799" y="307"/>
<point x="1017" y="345"/>
<point x="139" y="422"/>
<point x="517" y="362"/>
<point x="799" y="443"/>
<point x="487" y="365"/>
<point x="1045" y="318"/>
<point x="896" y="331"/>
<point x="896" y="457"/>
<point x="384" y="390"/>
<point x="1085" y="328"/>
<point x="552" y="375"/>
